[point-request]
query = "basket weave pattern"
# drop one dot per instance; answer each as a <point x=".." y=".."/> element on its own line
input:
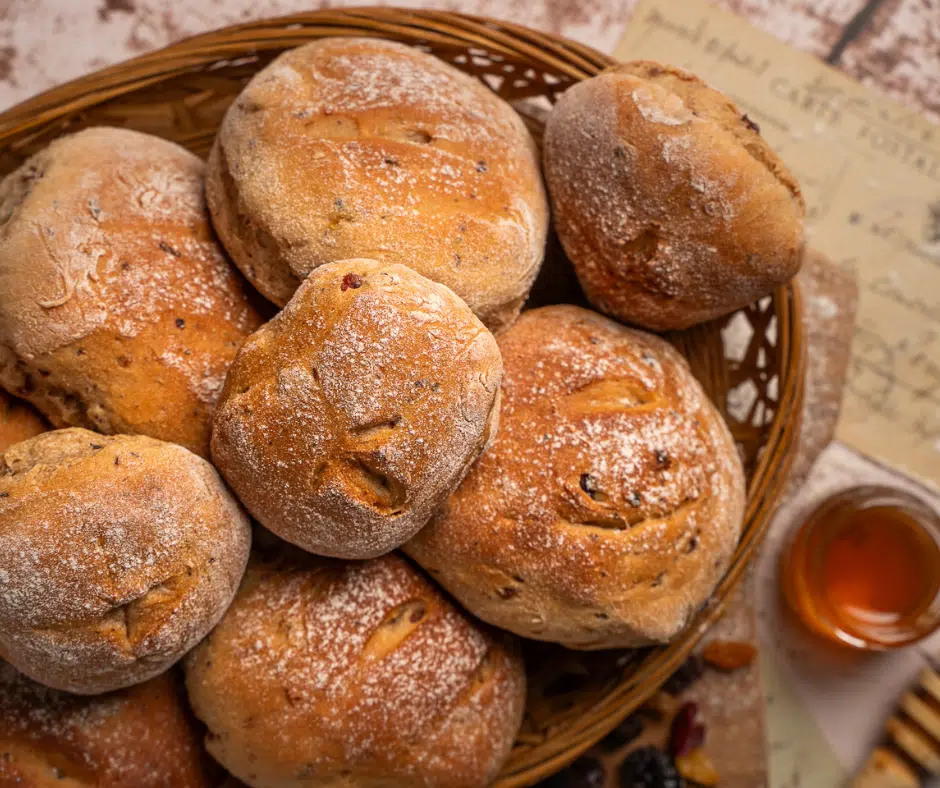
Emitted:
<point x="752" y="360"/>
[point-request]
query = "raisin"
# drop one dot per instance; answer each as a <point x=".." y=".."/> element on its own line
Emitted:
<point x="729" y="655"/>
<point x="750" y="124"/>
<point x="589" y="484"/>
<point x="688" y="673"/>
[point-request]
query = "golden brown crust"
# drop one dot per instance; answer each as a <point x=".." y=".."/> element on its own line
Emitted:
<point x="609" y="504"/>
<point x="141" y="737"/>
<point x="18" y="421"/>
<point x="117" y="555"/>
<point x="670" y="204"/>
<point x="354" y="675"/>
<point x="118" y="309"/>
<point x="353" y="147"/>
<point x="351" y="415"/>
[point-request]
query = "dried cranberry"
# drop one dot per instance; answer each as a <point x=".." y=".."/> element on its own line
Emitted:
<point x="351" y="280"/>
<point x="687" y="732"/>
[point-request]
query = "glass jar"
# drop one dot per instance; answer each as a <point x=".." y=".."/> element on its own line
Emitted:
<point x="864" y="569"/>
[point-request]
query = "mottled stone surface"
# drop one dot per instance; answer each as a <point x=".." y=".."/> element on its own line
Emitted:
<point x="899" y="52"/>
<point x="44" y="42"/>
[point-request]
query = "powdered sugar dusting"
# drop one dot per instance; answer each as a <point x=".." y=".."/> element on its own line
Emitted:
<point x="438" y="703"/>
<point x="117" y="222"/>
<point x="363" y="148"/>
<point x="357" y="410"/>
<point x="610" y="501"/>
<point x="670" y="112"/>
<point x="111" y="281"/>
<point x="658" y="197"/>
<point x="117" y="555"/>
<point x="142" y="737"/>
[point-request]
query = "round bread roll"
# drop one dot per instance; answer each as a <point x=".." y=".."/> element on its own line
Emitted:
<point x="142" y="737"/>
<point x="670" y="204"/>
<point x="117" y="555"/>
<point x="343" y="675"/>
<point x="118" y="309"/>
<point x="609" y="504"/>
<point x="358" y="409"/>
<point x="18" y="421"/>
<point x="357" y="147"/>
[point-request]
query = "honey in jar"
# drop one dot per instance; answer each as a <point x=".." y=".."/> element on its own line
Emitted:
<point x="864" y="569"/>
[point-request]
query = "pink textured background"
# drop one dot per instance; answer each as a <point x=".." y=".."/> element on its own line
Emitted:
<point x="894" y="44"/>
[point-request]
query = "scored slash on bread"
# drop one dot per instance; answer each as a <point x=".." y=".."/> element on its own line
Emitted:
<point x="610" y="501"/>
<point x="327" y="673"/>
<point x="348" y="418"/>
<point x="117" y="555"/>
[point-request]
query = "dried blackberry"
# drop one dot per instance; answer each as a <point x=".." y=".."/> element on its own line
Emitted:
<point x="649" y="767"/>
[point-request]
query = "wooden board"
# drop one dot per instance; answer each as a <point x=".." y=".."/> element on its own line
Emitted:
<point x="731" y="705"/>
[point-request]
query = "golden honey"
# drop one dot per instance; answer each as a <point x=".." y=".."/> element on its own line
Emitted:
<point x="864" y="569"/>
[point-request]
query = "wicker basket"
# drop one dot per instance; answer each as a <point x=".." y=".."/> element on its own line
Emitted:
<point x="752" y="360"/>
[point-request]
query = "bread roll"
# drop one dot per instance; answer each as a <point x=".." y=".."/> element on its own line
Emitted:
<point x="352" y="414"/>
<point x="670" y="204"/>
<point x="117" y="555"/>
<point x="357" y="147"/>
<point x="18" y="421"/>
<point x="142" y="737"/>
<point x="118" y="309"/>
<point x="609" y="504"/>
<point x="353" y="675"/>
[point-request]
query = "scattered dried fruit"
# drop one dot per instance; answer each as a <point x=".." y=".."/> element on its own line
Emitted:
<point x="649" y="767"/>
<point x="624" y="733"/>
<point x="588" y="484"/>
<point x="729" y="654"/>
<point x="697" y="767"/>
<point x="688" y="673"/>
<point x="688" y="731"/>
<point x="353" y="281"/>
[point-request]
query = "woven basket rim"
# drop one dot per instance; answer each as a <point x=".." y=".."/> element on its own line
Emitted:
<point x="193" y="51"/>
<point x="577" y="61"/>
